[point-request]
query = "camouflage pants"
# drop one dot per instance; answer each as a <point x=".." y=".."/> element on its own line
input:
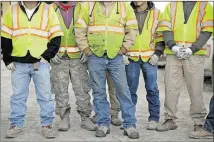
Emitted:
<point x="61" y="74"/>
<point x="115" y="105"/>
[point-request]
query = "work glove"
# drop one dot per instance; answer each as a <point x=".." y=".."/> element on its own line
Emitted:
<point x="187" y="53"/>
<point x="11" y="67"/>
<point x="56" y="59"/>
<point x="83" y="58"/>
<point x="154" y="60"/>
<point x="178" y="51"/>
<point x="126" y="59"/>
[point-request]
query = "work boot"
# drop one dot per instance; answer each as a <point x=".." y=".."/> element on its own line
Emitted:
<point x="116" y="121"/>
<point x="88" y="124"/>
<point x="14" y="131"/>
<point x="201" y="134"/>
<point x="152" y="125"/>
<point x="102" y="131"/>
<point x="93" y="119"/>
<point x="131" y="132"/>
<point x="169" y="124"/>
<point x="48" y="132"/>
<point x="64" y="123"/>
<point x="197" y="127"/>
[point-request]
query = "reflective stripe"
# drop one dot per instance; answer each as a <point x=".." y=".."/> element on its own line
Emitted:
<point x="14" y="15"/>
<point x="131" y="22"/>
<point x="142" y="54"/>
<point x="97" y="28"/>
<point x="55" y="28"/>
<point x="45" y="17"/>
<point x="37" y="32"/>
<point x="82" y="22"/>
<point x="123" y="11"/>
<point x="165" y="24"/>
<point x="207" y="23"/>
<point x="6" y="30"/>
<point x="173" y="12"/>
<point x="70" y="49"/>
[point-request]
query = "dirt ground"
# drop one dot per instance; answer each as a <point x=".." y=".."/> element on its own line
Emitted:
<point x="75" y="133"/>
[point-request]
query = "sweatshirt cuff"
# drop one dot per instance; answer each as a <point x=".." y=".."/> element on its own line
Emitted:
<point x="158" y="53"/>
<point x="194" y="48"/>
<point x="170" y="44"/>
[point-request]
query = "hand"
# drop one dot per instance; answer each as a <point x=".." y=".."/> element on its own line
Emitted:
<point x="83" y="58"/>
<point x="178" y="51"/>
<point x="187" y="53"/>
<point x="126" y="59"/>
<point x="43" y="60"/>
<point x="57" y="59"/>
<point x="153" y="60"/>
<point x="11" y="67"/>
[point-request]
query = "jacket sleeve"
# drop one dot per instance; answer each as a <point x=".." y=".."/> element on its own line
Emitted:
<point x="169" y="39"/>
<point x="131" y="28"/>
<point x="6" y="46"/>
<point x="53" y="48"/>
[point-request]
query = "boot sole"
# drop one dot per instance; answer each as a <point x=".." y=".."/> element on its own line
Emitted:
<point x="64" y="129"/>
<point x="89" y="129"/>
<point x="135" y="137"/>
<point x="205" y="137"/>
<point x="116" y="124"/>
<point x="13" y="136"/>
<point x="103" y="135"/>
<point x="167" y="129"/>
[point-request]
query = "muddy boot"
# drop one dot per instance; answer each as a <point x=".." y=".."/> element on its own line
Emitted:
<point x="116" y="121"/>
<point x="152" y="125"/>
<point x="14" y="132"/>
<point x="88" y="124"/>
<point x="64" y="123"/>
<point x="131" y="132"/>
<point x="102" y="131"/>
<point x="201" y="134"/>
<point x="93" y="119"/>
<point x="169" y="124"/>
<point x="48" y="132"/>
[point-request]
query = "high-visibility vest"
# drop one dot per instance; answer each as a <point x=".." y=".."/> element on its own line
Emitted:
<point x="68" y="41"/>
<point x="144" y="45"/>
<point x="32" y="36"/>
<point x="106" y="34"/>
<point x="201" y="19"/>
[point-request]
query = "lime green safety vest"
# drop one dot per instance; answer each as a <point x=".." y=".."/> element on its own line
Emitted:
<point x="201" y="19"/>
<point x="144" y="45"/>
<point x="106" y="34"/>
<point x="32" y="36"/>
<point x="68" y="41"/>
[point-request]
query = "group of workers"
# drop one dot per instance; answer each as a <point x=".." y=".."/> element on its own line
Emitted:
<point x="87" y="43"/>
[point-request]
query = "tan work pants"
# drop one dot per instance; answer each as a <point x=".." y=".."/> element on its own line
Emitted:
<point x="192" y="70"/>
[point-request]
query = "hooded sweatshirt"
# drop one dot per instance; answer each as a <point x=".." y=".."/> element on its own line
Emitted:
<point x="141" y="17"/>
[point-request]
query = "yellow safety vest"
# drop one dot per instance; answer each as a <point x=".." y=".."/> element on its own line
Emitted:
<point x="68" y="41"/>
<point x="34" y="35"/>
<point x="201" y="19"/>
<point x="106" y="34"/>
<point x="144" y="45"/>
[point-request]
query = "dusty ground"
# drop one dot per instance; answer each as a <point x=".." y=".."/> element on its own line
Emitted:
<point x="78" y="134"/>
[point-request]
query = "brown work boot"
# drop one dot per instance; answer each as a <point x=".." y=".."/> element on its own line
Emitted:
<point x="64" y="123"/>
<point x="169" y="124"/>
<point x="48" y="132"/>
<point x="131" y="132"/>
<point x="116" y="121"/>
<point x="201" y="134"/>
<point x="14" y="131"/>
<point x="88" y="124"/>
<point x="102" y="131"/>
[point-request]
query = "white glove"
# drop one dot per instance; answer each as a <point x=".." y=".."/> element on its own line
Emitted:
<point x="178" y="51"/>
<point x="187" y="53"/>
<point x="43" y="60"/>
<point x="11" y="67"/>
<point x="126" y="59"/>
<point x="56" y="59"/>
<point x="154" y="60"/>
<point x="83" y="58"/>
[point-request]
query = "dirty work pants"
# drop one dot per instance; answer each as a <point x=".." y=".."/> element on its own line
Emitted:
<point x="209" y="121"/>
<point x="115" y="105"/>
<point x="20" y="80"/>
<point x="97" y="67"/>
<point x="192" y="70"/>
<point x="150" y="79"/>
<point x="61" y="74"/>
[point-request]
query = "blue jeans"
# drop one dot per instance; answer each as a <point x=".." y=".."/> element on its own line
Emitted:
<point x="150" y="78"/>
<point x="97" y="67"/>
<point x="21" y="78"/>
<point x="209" y="121"/>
